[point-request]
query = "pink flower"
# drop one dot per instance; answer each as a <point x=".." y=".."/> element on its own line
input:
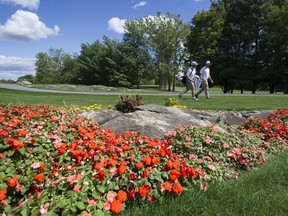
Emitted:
<point x="92" y="202"/>
<point x="204" y="186"/>
<point x="19" y="187"/>
<point x="211" y="167"/>
<point x="225" y="145"/>
<point x="107" y="206"/>
<point x="74" y="178"/>
<point x="44" y="209"/>
<point x="77" y="188"/>
<point x="208" y="141"/>
<point x="111" y="196"/>
<point x="35" y="165"/>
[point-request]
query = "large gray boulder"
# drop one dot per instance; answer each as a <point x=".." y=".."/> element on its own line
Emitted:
<point x="156" y="121"/>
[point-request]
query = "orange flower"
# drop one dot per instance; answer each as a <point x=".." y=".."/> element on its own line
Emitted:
<point x="174" y="174"/>
<point x="122" y="196"/>
<point x="2" y="194"/>
<point x="13" y="181"/>
<point x="143" y="190"/>
<point x="177" y="188"/>
<point x="116" y="206"/>
<point x="156" y="160"/>
<point x="122" y="169"/>
<point x="39" y="177"/>
<point x="147" y="160"/>
<point x="168" y="186"/>
<point x="151" y="198"/>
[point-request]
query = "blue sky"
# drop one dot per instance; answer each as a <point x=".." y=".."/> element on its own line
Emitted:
<point x="28" y="27"/>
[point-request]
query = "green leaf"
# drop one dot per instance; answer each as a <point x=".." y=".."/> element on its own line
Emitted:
<point x="22" y="151"/>
<point x="85" y="189"/>
<point x="101" y="188"/>
<point x="96" y="194"/>
<point x="111" y="186"/>
<point x="80" y="205"/>
<point x="62" y="204"/>
<point x="98" y="213"/>
<point x="100" y="204"/>
<point x="25" y="211"/>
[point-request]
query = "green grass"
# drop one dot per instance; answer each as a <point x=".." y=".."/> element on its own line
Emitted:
<point x="218" y="102"/>
<point x="263" y="191"/>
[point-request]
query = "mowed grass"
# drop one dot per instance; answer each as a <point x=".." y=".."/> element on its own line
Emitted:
<point x="218" y="101"/>
<point x="262" y="191"/>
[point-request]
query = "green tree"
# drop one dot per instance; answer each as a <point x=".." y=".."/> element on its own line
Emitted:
<point x="206" y="29"/>
<point x="275" y="46"/>
<point x="90" y="64"/>
<point x="165" y="35"/>
<point x="137" y="62"/>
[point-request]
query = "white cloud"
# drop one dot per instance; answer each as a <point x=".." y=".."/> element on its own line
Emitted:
<point x="15" y="67"/>
<point x="140" y="4"/>
<point x="116" y="24"/>
<point x="26" y="26"/>
<point x="30" y="4"/>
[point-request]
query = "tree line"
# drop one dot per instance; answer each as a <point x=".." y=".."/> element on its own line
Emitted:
<point x="245" y="40"/>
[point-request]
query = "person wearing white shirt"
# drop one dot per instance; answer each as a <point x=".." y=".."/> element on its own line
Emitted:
<point x="190" y="78"/>
<point x="205" y="76"/>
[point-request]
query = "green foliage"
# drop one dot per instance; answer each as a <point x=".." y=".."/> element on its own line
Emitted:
<point x="171" y="102"/>
<point x="127" y="103"/>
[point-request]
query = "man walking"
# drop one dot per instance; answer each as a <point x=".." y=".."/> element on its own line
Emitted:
<point x="190" y="84"/>
<point x="205" y="76"/>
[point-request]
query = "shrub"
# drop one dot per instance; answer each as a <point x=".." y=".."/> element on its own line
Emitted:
<point x="127" y="103"/>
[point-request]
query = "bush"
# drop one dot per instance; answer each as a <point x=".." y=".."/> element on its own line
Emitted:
<point x="127" y="103"/>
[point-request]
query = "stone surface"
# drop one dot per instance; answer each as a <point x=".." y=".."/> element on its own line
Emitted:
<point x="156" y="121"/>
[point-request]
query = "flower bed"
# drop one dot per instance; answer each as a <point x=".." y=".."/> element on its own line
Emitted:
<point x="55" y="161"/>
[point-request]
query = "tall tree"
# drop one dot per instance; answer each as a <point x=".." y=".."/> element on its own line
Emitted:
<point x="136" y="56"/>
<point x="242" y="36"/>
<point x="276" y="46"/>
<point x="90" y="64"/>
<point x="165" y="35"/>
<point x="205" y="34"/>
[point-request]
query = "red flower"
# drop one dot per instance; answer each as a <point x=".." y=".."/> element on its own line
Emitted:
<point x="139" y="165"/>
<point x="143" y="190"/>
<point x="177" y="188"/>
<point x="22" y="132"/>
<point x="131" y="193"/>
<point x="13" y="181"/>
<point x="42" y="167"/>
<point x="116" y="206"/>
<point x="16" y="145"/>
<point x="2" y="194"/>
<point x="100" y="175"/>
<point x="132" y="176"/>
<point x="39" y="177"/>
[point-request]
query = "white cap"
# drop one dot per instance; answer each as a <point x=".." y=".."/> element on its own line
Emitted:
<point x="207" y="62"/>
<point x="194" y="63"/>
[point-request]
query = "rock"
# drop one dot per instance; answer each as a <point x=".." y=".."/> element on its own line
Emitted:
<point x="156" y="121"/>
